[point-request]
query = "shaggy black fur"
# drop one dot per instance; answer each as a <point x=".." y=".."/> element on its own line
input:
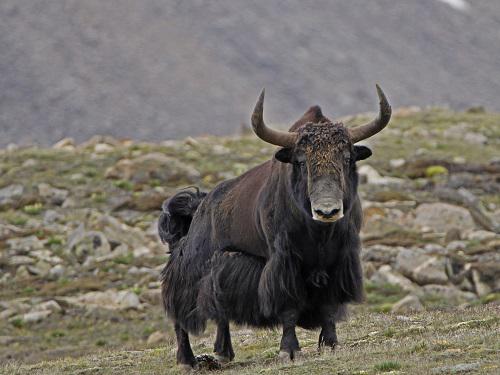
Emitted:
<point x="250" y="252"/>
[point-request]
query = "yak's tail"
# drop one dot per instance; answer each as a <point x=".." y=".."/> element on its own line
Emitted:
<point x="177" y="214"/>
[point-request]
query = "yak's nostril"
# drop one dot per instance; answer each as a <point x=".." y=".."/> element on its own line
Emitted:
<point x="327" y="214"/>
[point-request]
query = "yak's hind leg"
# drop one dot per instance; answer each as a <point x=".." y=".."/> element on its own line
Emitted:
<point x="185" y="356"/>
<point x="223" y="348"/>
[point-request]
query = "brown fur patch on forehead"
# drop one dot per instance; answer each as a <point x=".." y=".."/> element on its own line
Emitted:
<point x="321" y="142"/>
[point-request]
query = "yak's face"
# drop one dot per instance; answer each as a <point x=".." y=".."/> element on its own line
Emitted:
<point x="323" y="176"/>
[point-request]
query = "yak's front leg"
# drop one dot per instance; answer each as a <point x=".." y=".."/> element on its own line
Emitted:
<point x="185" y="356"/>
<point x="328" y="335"/>
<point x="289" y="347"/>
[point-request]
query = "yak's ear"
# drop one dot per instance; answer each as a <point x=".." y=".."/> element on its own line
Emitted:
<point x="284" y="155"/>
<point x="362" y="152"/>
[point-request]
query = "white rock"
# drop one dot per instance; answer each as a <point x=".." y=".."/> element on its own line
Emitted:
<point x="102" y="148"/>
<point x="36" y="316"/>
<point x="396" y="163"/>
<point x="142" y="252"/>
<point x="385" y="275"/>
<point x="373" y="177"/>
<point x="47" y="306"/>
<point x="481" y="235"/>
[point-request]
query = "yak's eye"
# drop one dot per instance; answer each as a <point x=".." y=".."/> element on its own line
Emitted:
<point x="301" y="163"/>
<point x="347" y="157"/>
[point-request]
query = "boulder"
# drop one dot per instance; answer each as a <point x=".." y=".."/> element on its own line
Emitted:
<point x="420" y="267"/>
<point x="156" y="338"/>
<point x="441" y="217"/>
<point x="407" y="304"/>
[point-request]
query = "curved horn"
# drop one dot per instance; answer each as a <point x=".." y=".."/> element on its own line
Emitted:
<point x="367" y="130"/>
<point x="275" y="137"/>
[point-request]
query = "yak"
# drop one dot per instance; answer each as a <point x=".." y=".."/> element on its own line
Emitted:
<point x="278" y="245"/>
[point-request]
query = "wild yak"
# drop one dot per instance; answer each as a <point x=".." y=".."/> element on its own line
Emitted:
<point x="278" y="245"/>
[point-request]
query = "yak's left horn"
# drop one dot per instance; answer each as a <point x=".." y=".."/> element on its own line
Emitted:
<point x="275" y="137"/>
<point x="367" y="130"/>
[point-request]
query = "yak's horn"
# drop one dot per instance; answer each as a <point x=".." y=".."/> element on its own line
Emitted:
<point x="275" y="137"/>
<point x="365" y="131"/>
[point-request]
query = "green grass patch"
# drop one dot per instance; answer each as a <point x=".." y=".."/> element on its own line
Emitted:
<point x="33" y="209"/>
<point x="387" y="366"/>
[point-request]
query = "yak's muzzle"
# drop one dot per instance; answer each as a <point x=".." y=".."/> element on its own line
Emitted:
<point x="327" y="211"/>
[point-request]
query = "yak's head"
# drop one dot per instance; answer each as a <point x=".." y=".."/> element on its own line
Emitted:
<point x="322" y="155"/>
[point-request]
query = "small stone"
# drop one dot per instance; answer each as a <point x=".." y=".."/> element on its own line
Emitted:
<point x="156" y="338"/>
<point x="36" y="316"/>
<point x="41" y="268"/>
<point x="449" y="293"/>
<point x="7" y="340"/>
<point x="407" y="304"/>
<point x="56" y="272"/>
<point x="19" y="260"/>
<point x="28" y="163"/>
<point x="142" y="252"/>
<point x="102" y="148"/>
<point x="50" y="305"/>
<point x="397" y="163"/>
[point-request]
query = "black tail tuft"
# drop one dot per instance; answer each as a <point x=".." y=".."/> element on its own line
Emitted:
<point x="177" y="214"/>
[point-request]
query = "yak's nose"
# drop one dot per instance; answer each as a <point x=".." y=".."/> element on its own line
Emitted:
<point x="327" y="213"/>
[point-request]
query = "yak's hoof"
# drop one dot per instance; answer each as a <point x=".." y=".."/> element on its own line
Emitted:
<point x="289" y="356"/>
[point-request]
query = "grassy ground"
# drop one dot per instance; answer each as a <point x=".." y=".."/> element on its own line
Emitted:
<point x="371" y="343"/>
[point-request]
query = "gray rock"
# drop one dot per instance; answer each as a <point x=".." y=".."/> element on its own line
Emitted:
<point x="50" y="305"/>
<point x="460" y="368"/>
<point x="10" y="194"/>
<point x="56" y="272"/>
<point x="385" y="275"/>
<point x="380" y="253"/>
<point x="25" y="244"/>
<point x="482" y="235"/>
<point x="449" y="293"/>
<point x="41" y="268"/>
<point x="20" y="260"/>
<point x="83" y="244"/>
<point x="420" y="267"/>
<point x="440" y="217"/>
<point x="7" y="340"/>
<point x="36" y="316"/>
<point x="51" y="194"/>
<point x="456" y="246"/>
<point x="51" y="216"/>
<point x="432" y="271"/>
<point x="407" y="304"/>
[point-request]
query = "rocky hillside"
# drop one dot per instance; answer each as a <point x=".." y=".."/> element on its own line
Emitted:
<point x="156" y="69"/>
<point x="80" y="259"/>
